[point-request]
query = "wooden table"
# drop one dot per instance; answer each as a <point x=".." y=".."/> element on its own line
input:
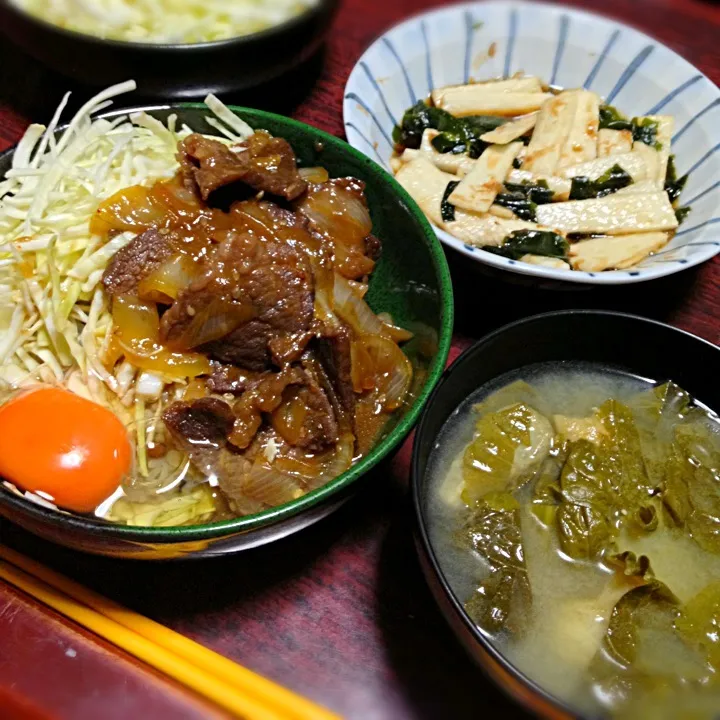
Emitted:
<point x="340" y="612"/>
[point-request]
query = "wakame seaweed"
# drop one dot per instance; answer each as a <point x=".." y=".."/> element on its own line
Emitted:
<point x="457" y="135"/>
<point x="612" y="180"/>
<point x="612" y="119"/>
<point x="674" y="185"/>
<point x="531" y="242"/>
<point x="643" y="129"/>
<point x="447" y="209"/>
<point x="523" y="198"/>
<point x="522" y="207"/>
<point x="681" y="213"/>
<point x="539" y="192"/>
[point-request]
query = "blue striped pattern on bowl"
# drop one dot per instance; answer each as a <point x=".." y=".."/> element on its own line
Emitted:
<point x="564" y="47"/>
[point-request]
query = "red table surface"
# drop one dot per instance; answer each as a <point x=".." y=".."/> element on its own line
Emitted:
<point x="340" y="612"/>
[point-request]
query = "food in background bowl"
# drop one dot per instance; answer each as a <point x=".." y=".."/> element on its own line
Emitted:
<point x="575" y="511"/>
<point x="166" y="21"/>
<point x="186" y="314"/>
<point x="542" y="176"/>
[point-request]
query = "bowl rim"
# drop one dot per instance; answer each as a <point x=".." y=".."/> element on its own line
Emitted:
<point x="607" y="277"/>
<point x="416" y="477"/>
<point x="150" y="47"/>
<point x="206" y="531"/>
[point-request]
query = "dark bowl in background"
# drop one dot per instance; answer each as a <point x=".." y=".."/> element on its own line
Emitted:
<point x="177" y="71"/>
<point x="629" y="343"/>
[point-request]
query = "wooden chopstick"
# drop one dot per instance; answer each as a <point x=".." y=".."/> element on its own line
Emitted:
<point x="229" y="685"/>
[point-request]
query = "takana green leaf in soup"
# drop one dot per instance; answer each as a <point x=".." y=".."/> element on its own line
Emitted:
<point x="547" y="495"/>
<point x="624" y="458"/>
<point x="657" y="412"/>
<point x="644" y="656"/>
<point x="507" y="449"/>
<point x="699" y="623"/>
<point x="501" y="601"/>
<point x="640" y="613"/>
<point x="503" y="597"/>
<point x="584" y="531"/>
<point x="691" y="492"/>
<point x="492" y="529"/>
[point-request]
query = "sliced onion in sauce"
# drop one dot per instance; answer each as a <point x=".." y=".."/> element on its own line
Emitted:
<point x="339" y="212"/>
<point x="320" y="469"/>
<point x="379" y="365"/>
<point x="129" y="209"/>
<point x="165" y="284"/>
<point x="354" y="310"/>
<point x="268" y="485"/>
<point x="210" y="321"/>
<point x="137" y="331"/>
<point x="316" y="174"/>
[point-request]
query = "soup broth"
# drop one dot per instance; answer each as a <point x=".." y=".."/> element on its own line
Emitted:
<point x="624" y="623"/>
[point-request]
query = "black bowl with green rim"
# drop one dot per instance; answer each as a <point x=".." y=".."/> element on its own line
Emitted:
<point x="635" y="346"/>
<point x="411" y="281"/>
<point x="183" y="70"/>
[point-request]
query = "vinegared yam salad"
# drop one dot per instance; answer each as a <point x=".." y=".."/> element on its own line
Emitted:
<point x="551" y="178"/>
<point x="185" y="315"/>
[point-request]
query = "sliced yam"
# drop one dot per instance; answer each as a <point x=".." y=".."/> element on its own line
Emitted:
<point x="396" y="162"/>
<point x="560" y="186"/>
<point x="610" y="215"/>
<point x="551" y="130"/>
<point x="666" y="126"/>
<point x="501" y="212"/>
<point x="477" y="190"/>
<point x="614" y="142"/>
<point x="632" y="163"/>
<point x="479" y="230"/>
<point x="581" y="142"/>
<point x="617" y="252"/>
<point x="651" y="158"/>
<point x="514" y="85"/>
<point x="644" y="186"/>
<point x="408" y="155"/>
<point x="447" y="162"/>
<point x="487" y="99"/>
<point x="510" y="130"/>
<point x="426" y="185"/>
<point x="544" y="261"/>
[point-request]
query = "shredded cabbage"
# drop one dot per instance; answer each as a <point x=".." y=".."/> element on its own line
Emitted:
<point x="176" y="508"/>
<point x="55" y="321"/>
<point x="166" y="21"/>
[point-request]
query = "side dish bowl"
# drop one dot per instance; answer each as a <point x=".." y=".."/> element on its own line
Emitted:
<point x="411" y="282"/>
<point x="566" y="48"/>
<point x="172" y="70"/>
<point x="627" y="343"/>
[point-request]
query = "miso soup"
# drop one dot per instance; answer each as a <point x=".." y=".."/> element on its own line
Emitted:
<point x="575" y="512"/>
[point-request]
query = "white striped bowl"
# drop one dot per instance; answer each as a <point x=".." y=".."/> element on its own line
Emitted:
<point x="565" y="47"/>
